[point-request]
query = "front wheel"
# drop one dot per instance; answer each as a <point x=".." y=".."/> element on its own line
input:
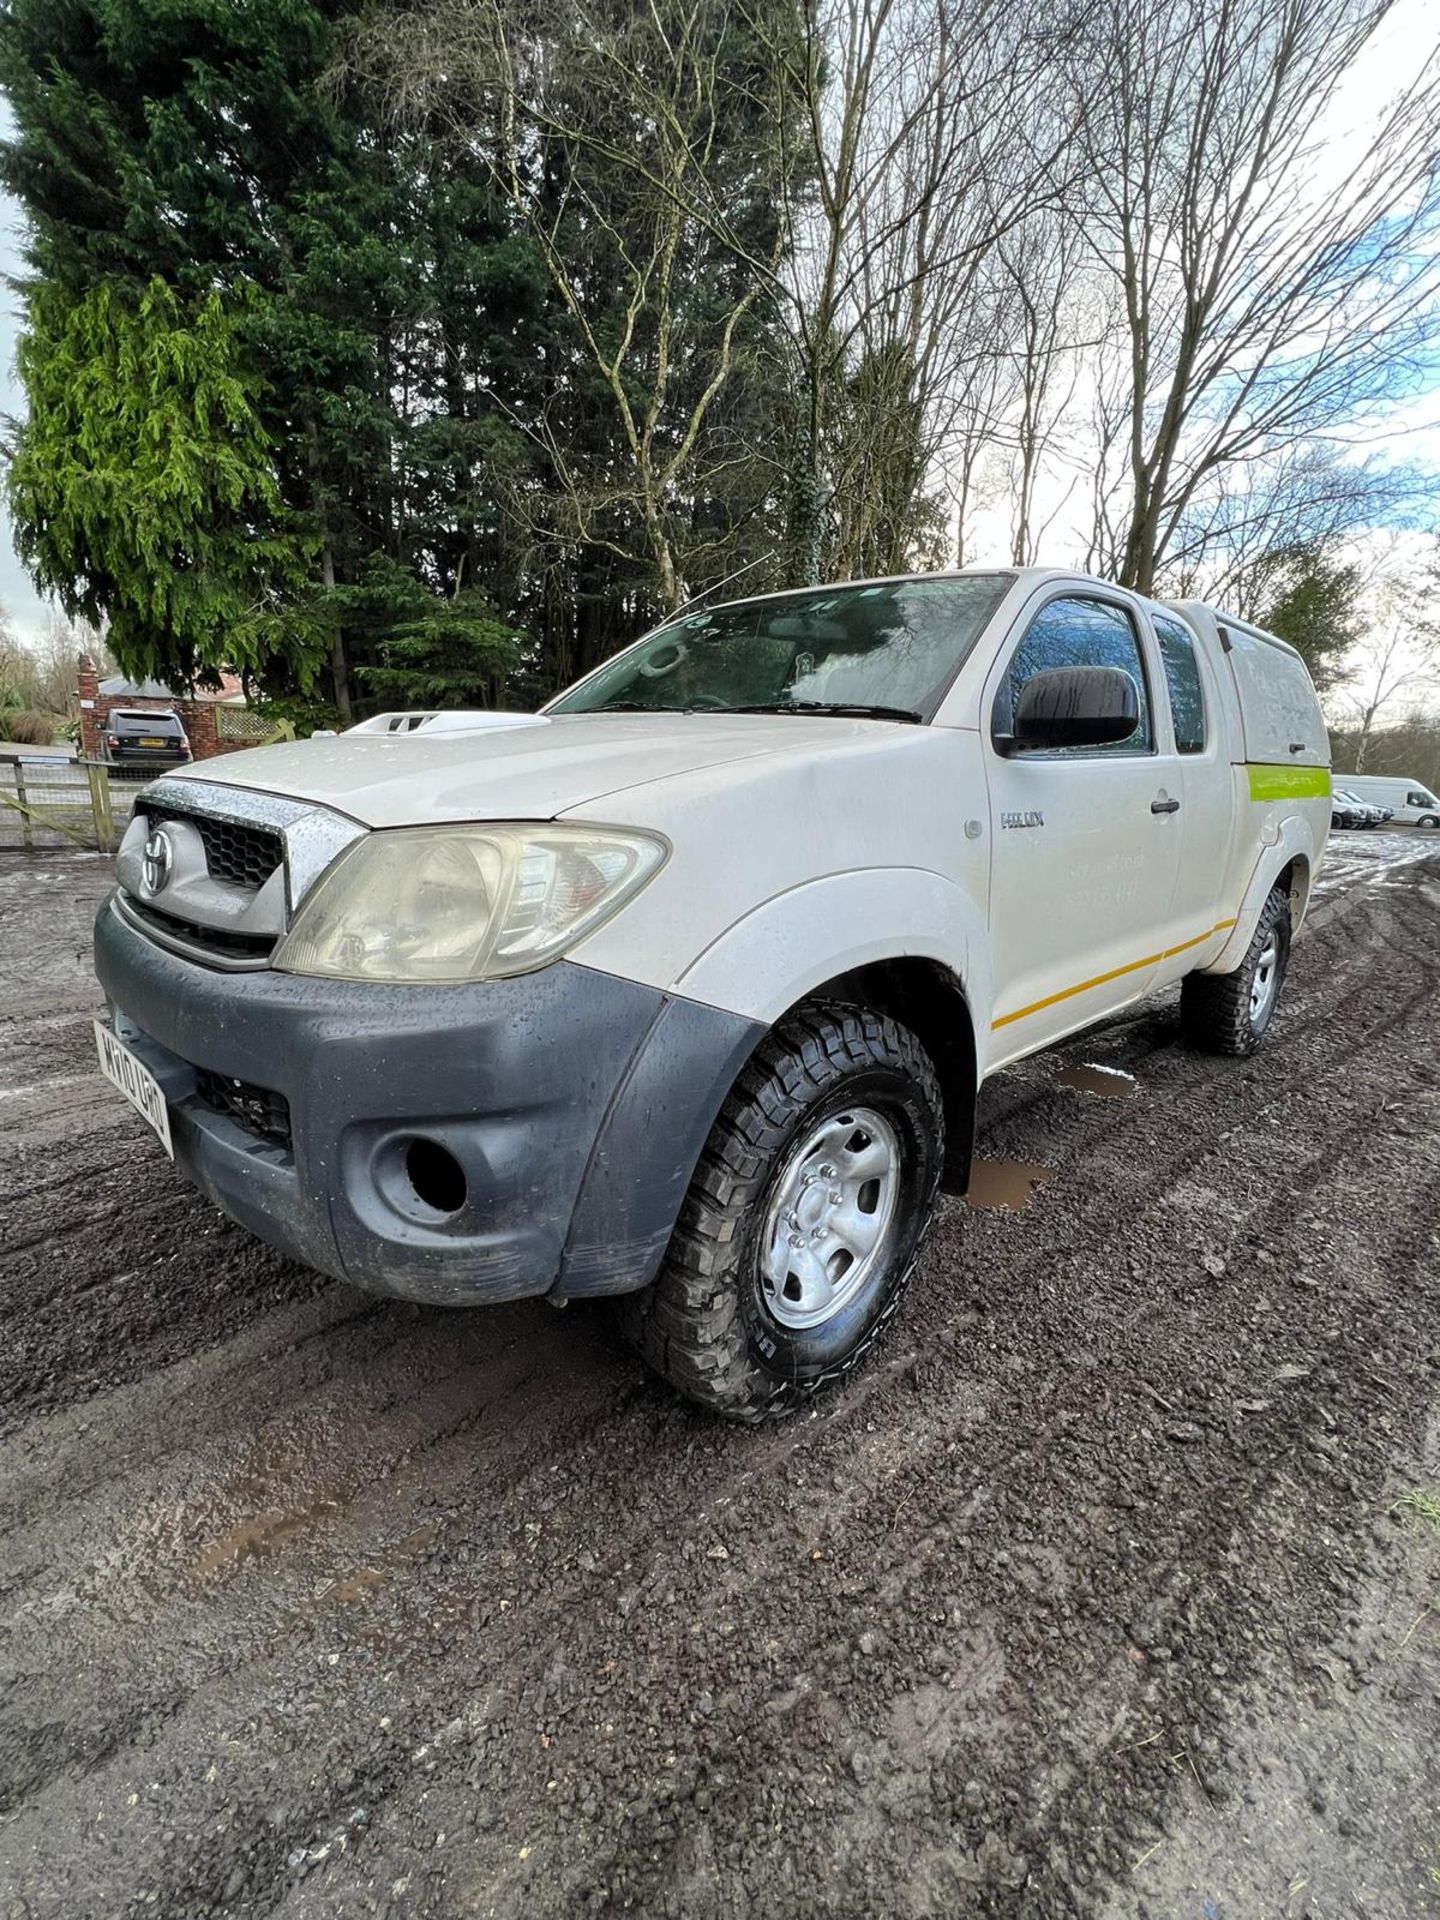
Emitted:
<point x="803" y="1219"/>
<point x="1428" y="820"/>
<point x="1230" y="1012"/>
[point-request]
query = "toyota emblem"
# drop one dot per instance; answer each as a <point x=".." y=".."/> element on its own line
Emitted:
<point x="158" y="858"/>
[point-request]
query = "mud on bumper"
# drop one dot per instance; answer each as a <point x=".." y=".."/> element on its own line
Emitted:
<point x="575" y="1105"/>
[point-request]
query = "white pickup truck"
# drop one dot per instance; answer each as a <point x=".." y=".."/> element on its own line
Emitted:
<point x="683" y="988"/>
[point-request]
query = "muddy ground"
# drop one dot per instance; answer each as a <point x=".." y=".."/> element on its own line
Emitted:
<point x="1086" y="1598"/>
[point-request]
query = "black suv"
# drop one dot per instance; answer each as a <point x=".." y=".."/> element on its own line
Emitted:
<point x="157" y="739"/>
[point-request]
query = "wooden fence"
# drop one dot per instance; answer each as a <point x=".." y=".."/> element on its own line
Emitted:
<point x="47" y="801"/>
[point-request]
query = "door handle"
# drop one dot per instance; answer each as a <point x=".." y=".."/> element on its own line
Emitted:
<point x="1164" y="806"/>
<point x="1297" y="746"/>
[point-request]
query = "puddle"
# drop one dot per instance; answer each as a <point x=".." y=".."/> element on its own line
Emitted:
<point x="1109" y="1082"/>
<point x="1004" y="1186"/>
<point x="263" y="1535"/>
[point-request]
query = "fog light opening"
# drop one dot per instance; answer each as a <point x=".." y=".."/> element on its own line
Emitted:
<point x="436" y="1175"/>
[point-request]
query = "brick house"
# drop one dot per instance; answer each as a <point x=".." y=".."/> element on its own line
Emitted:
<point x="210" y="719"/>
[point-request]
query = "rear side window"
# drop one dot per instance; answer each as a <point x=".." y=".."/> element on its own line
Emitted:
<point x="1182" y="677"/>
<point x="1078" y="633"/>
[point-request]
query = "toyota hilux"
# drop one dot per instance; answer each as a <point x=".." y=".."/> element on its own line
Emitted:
<point x="682" y="989"/>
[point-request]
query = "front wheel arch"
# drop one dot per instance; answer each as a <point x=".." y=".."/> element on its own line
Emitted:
<point x="928" y="999"/>
<point x="704" y="1323"/>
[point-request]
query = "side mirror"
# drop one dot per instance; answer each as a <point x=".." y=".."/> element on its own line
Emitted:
<point x="1076" y="707"/>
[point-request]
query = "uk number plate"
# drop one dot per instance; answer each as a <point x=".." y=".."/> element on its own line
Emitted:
<point x="135" y="1080"/>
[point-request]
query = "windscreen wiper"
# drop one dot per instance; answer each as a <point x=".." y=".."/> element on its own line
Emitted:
<point x="851" y="709"/>
<point x="633" y="706"/>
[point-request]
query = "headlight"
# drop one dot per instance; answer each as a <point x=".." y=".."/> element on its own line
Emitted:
<point x="449" y="904"/>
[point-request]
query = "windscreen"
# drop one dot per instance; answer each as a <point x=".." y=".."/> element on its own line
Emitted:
<point x="890" y="648"/>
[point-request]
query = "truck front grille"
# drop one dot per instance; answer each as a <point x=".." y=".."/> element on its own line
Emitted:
<point x="242" y="855"/>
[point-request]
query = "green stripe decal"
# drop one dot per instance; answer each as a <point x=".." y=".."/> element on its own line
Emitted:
<point x="1288" y="783"/>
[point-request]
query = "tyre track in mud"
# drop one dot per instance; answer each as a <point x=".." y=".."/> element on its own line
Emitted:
<point x="951" y="1606"/>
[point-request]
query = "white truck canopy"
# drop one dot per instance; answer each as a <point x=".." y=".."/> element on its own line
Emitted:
<point x="1280" y="719"/>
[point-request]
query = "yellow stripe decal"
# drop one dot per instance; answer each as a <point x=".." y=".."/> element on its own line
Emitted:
<point x="1288" y="783"/>
<point x="1131" y="966"/>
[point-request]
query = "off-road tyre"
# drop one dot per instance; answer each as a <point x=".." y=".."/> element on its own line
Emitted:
<point x="1215" y="1008"/>
<point x="704" y="1322"/>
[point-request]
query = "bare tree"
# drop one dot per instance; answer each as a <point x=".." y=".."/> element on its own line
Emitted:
<point x="981" y="405"/>
<point x="611" y="132"/>
<point x="1408" y="748"/>
<point x="872" y="166"/>
<point x="55" y="649"/>
<point x="973" y="225"/>
<point x="1263" y="303"/>
<point x="1005" y="416"/>
<point x="1401" y="655"/>
<point x="1041" y="266"/>
<point x="1306" y="498"/>
<point x="1015" y="439"/>
<point x="890" y="144"/>
<point x="925" y="135"/>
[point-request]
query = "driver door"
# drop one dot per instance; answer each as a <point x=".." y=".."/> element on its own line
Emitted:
<point x="1083" y="841"/>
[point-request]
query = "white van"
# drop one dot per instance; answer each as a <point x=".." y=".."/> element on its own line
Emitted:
<point x="683" y="988"/>
<point x="1411" y="802"/>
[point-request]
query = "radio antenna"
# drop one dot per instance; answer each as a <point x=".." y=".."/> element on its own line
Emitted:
<point x="695" y="600"/>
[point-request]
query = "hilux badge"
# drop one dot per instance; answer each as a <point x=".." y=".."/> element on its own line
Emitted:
<point x="156" y="861"/>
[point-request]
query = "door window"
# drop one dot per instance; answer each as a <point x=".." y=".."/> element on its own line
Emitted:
<point x="1182" y="677"/>
<point x="1420" y="800"/>
<point x="1076" y="632"/>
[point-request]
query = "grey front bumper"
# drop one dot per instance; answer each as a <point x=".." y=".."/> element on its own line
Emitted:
<point x="576" y="1104"/>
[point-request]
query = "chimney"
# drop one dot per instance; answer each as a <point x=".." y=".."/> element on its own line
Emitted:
<point x="88" y="688"/>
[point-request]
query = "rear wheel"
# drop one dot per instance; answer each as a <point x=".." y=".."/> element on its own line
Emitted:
<point x="1230" y="1012"/>
<point x="804" y="1217"/>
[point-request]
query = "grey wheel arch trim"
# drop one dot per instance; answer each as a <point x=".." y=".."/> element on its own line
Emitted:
<point x="649" y="1145"/>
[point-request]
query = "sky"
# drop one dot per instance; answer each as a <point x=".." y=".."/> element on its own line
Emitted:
<point x="1413" y="433"/>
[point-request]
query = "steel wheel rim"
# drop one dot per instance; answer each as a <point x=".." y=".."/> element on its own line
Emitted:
<point x="1266" y="980"/>
<point x="826" y="1225"/>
